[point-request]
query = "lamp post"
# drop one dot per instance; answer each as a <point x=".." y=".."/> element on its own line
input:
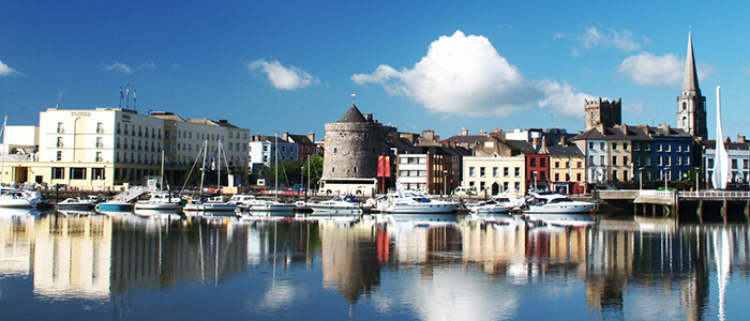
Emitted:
<point x="445" y="181"/>
<point x="697" y="179"/>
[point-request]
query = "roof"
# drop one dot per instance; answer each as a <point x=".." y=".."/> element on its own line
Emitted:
<point x="300" y="139"/>
<point x="559" y="150"/>
<point x="623" y="132"/>
<point x="711" y="144"/>
<point x="353" y="115"/>
<point x="467" y="139"/>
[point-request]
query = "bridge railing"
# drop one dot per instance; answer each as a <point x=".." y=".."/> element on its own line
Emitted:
<point x="715" y="194"/>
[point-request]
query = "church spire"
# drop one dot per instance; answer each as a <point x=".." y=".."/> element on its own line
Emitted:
<point x="690" y="83"/>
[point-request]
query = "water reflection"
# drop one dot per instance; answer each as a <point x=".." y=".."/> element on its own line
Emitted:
<point x="401" y="266"/>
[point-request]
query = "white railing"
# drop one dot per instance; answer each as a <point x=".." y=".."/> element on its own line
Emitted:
<point x="656" y="194"/>
<point x="131" y="194"/>
<point x="715" y="194"/>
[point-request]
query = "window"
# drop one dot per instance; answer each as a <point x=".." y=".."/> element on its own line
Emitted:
<point x="98" y="157"/>
<point x="60" y="128"/>
<point x="517" y="172"/>
<point x="591" y="145"/>
<point x="625" y="146"/>
<point x="481" y="172"/>
<point x="679" y="148"/>
<point x="734" y="164"/>
<point x="59" y="156"/>
<point x="99" y="142"/>
<point x="601" y="160"/>
<point x="636" y="147"/>
<point x="99" y="128"/>
<point x="97" y="174"/>
<point x="58" y="173"/>
<point x="658" y="148"/>
<point x="578" y="177"/>
<point x="591" y="159"/>
<point x="77" y="173"/>
<point x="557" y="177"/>
<point x="532" y="162"/>
<point x="580" y="165"/>
<point x="614" y="160"/>
<point x="601" y="146"/>
<point x="542" y="162"/>
<point x="625" y="160"/>
<point x="495" y="171"/>
<point x="557" y="164"/>
<point x="471" y="171"/>
<point x="518" y="186"/>
<point x="506" y="171"/>
<point x="59" y="142"/>
<point x="614" y="146"/>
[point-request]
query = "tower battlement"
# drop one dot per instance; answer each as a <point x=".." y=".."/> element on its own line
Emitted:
<point x="602" y="111"/>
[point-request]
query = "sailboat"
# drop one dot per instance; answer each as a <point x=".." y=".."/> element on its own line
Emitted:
<point x="721" y="174"/>
<point x="214" y="205"/>
<point x="273" y="207"/>
<point x="160" y="200"/>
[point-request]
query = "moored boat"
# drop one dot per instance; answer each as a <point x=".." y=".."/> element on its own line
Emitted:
<point x="337" y="205"/>
<point x="557" y="203"/>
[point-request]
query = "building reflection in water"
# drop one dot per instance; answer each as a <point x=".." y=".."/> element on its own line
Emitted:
<point x="629" y="268"/>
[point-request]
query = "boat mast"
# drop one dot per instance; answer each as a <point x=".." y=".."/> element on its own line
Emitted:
<point x="276" y="162"/>
<point x="218" y="175"/>
<point x="203" y="167"/>
<point x="2" y="133"/>
<point x="161" y="178"/>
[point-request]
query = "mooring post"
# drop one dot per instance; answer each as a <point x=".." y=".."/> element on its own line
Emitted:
<point x="699" y="211"/>
<point x="724" y="211"/>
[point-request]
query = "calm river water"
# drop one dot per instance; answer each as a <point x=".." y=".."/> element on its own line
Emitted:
<point x="123" y="266"/>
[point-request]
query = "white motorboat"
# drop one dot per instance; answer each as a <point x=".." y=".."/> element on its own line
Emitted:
<point x="260" y="205"/>
<point x="557" y="203"/>
<point x="337" y="205"/>
<point x="496" y="205"/>
<point x="212" y="204"/>
<point x="242" y="201"/>
<point x="77" y="203"/>
<point x="414" y="203"/>
<point x="18" y="199"/>
<point x="160" y="201"/>
<point x="114" y="206"/>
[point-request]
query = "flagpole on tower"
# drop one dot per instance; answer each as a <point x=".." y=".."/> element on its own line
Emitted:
<point x="134" y="100"/>
<point x="121" y="96"/>
<point x="127" y="97"/>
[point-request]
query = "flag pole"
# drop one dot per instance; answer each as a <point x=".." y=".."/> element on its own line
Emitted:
<point x="127" y="97"/>
<point x="134" y="100"/>
<point x="120" y="96"/>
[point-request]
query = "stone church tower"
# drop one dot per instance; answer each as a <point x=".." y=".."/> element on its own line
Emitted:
<point x="352" y="146"/>
<point x="605" y="112"/>
<point x="691" y="105"/>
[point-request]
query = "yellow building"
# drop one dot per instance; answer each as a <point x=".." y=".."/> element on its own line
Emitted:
<point x="494" y="173"/>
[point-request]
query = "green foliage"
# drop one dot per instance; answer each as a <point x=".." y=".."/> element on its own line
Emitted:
<point x="292" y="172"/>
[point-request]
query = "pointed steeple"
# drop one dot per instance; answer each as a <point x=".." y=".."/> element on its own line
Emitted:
<point x="690" y="83"/>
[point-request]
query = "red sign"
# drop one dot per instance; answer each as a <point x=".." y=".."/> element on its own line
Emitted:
<point x="384" y="166"/>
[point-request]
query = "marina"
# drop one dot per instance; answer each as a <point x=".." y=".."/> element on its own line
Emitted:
<point x="121" y="265"/>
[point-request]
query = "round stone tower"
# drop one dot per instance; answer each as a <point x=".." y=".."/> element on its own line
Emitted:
<point x="351" y="147"/>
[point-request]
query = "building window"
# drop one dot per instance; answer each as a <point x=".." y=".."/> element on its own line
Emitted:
<point x="506" y="172"/>
<point x="625" y="146"/>
<point x="98" y="156"/>
<point x="614" y="146"/>
<point x="557" y="164"/>
<point x="532" y="162"/>
<point x="517" y="171"/>
<point x="77" y="173"/>
<point x="99" y="142"/>
<point x="578" y="177"/>
<point x="97" y="174"/>
<point x="59" y="156"/>
<point x="557" y="177"/>
<point x="471" y="171"/>
<point x="482" y="172"/>
<point x="580" y="165"/>
<point x="60" y="128"/>
<point x="601" y="146"/>
<point x="58" y="173"/>
<point x="59" y="142"/>
<point x="542" y="162"/>
<point x="734" y="164"/>
<point x="591" y="145"/>
<point x="495" y="172"/>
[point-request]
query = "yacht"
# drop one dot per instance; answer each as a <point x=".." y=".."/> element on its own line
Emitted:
<point x="210" y="204"/>
<point x="337" y="205"/>
<point x="76" y="203"/>
<point x="409" y="202"/>
<point x="557" y="203"/>
<point x="496" y="205"/>
<point x="160" y="201"/>
<point x="114" y="206"/>
<point x="18" y="199"/>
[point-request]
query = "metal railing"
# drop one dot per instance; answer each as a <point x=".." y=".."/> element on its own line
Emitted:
<point x="715" y="194"/>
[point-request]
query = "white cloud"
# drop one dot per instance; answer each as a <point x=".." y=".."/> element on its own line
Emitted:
<point x="652" y="71"/>
<point x="149" y="65"/>
<point x="561" y="97"/>
<point x="465" y="75"/>
<point x="6" y="70"/>
<point x="281" y="77"/>
<point x="593" y="38"/>
<point x="119" y="67"/>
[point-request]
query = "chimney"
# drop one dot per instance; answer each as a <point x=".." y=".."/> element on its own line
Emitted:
<point x="563" y="140"/>
<point x="483" y="132"/>
<point x="464" y="132"/>
<point x="535" y="142"/>
<point x="368" y="117"/>
<point x="285" y="137"/>
<point x="311" y="136"/>
<point x="741" y="139"/>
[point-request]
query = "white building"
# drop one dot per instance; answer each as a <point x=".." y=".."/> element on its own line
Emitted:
<point x="105" y="148"/>
<point x="263" y="151"/>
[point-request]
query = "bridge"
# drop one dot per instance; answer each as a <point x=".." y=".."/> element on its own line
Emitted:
<point x="670" y="201"/>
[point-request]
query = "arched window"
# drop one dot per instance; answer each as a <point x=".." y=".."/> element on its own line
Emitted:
<point x="684" y="105"/>
<point x="684" y="121"/>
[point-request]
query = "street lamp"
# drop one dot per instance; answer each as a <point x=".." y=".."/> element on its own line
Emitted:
<point x="697" y="179"/>
<point x="445" y="181"/>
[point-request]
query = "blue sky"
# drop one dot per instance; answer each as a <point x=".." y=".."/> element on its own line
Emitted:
<point x="275" y="66"/>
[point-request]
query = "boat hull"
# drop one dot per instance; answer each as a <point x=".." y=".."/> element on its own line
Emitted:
<point x="114" y="207"/>
<point x="568" y="208"/>
<point x="420" y="209"/>
<point x="157" y="206"/>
